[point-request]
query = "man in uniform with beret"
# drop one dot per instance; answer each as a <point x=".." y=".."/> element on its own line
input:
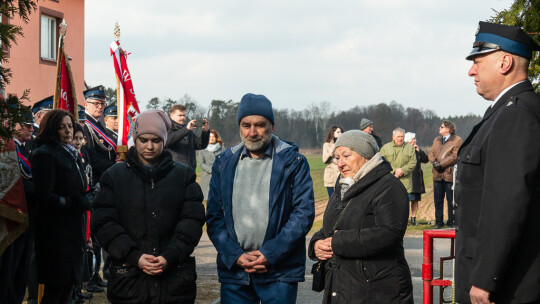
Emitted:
<point x="497" y="188"/>
<point x="260" y="208"/>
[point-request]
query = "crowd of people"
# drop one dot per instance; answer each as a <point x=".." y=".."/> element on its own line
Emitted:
<point x="142" y="213"/>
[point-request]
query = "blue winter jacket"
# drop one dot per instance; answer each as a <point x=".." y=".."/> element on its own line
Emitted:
<point x="291" y="215"/>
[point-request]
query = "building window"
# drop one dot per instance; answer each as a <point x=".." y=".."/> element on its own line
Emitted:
<point x="48" y="37"/>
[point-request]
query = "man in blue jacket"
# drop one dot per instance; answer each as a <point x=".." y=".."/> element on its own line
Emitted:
<point x="260" y="208"/>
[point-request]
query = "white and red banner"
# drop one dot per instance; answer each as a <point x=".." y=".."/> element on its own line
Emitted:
<point x="128" y="108"/>
<point x="65" y="96"/>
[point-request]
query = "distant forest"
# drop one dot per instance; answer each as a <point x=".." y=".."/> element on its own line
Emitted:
<point x="308" y="127"/>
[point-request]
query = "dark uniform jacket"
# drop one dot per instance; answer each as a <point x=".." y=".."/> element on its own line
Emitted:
<point x="182" y="144"/>
<point x="498" y="202"/>
<point x="153" y="210"/>
<point x="59" y="191"/>
<point x="102" y="155"/>
<point x="368" y="265"/>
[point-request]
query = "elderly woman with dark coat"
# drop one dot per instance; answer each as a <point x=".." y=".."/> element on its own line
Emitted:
<point x="60" y="186"/>
<point x="362" y="235"/>
<point x="149" y="216"/>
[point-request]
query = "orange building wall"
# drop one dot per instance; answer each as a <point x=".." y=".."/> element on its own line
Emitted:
<point x="29" y="70"/>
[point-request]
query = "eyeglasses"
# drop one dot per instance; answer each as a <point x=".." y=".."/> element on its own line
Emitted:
<point x="97" y="104"/>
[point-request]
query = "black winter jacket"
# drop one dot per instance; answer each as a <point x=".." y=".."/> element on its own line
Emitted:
<point x="182" y="144"/>
<point x="59" y="193"/>
<point x="153" y="210"/>
<point x="368" y="265"/>
<point x="417" y="174"/>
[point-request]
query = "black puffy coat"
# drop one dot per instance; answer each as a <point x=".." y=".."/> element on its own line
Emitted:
<point x="59" y="193"/>
<point x="368" y="265"/>
<point x="417" y="174"/>
<point x="152" y="210"/>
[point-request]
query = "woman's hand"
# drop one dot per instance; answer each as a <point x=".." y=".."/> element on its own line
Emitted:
<point x="323" y="249"/>
<point x="152" y="265"/>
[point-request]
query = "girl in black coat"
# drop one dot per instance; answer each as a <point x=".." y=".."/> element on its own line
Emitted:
<point x="148" y="215"/>
<point x="59" y="191"/>
<point x="363" y="227"/>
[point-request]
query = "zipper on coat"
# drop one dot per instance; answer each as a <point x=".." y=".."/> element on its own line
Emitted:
<point x="152" y="180"/>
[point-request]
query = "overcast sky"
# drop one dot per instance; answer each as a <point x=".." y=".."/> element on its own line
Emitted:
<point x="296" y="52"/>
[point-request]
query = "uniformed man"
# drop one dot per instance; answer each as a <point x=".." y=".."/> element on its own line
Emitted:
<point x="82" y="116"/>
<point x="100" y="145"/>
<point x="111" y="121"/>
<point x="102" y="150"/>
<point x="39" y="109"/>
<point x="498" y="176"/>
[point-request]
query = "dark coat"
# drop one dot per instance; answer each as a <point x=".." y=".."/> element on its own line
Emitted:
<point x="292" y="210"/>
<point x="101" y="159"/>
<point x="182" y="144"/>
<point x="377" y="139"/>
<point x="152" y="210"/>
<point x="417" y="174"/>
<point x="498" y="202"/>
<point x="59" y="188"/>
<point x="368" y="265"/>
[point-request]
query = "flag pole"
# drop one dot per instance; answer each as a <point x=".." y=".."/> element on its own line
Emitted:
<point x="59" y="57"/>
<point x="121" y="149"/>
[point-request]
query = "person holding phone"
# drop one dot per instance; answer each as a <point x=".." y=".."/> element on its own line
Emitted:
<point x="181" y="140"/>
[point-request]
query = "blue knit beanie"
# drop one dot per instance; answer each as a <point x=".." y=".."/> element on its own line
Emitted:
<point x="252" y="104"/>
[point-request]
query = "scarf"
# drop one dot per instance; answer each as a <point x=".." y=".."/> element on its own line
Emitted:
<point x="347" y="182"/>
<point x="213" y="147"/>
<point x="71" y="150"/>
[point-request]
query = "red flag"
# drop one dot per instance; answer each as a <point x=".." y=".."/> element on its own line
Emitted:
<point x="13" y="213"/>
<point x="65" y="96"/>
<point x="128" y="108"/>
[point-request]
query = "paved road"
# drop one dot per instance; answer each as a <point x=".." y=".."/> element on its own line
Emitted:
<point x="206" y="268"/>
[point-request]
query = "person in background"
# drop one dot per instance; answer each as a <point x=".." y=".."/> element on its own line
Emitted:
<point x="363" y="228"/>
<point x="260" y="208"/>
<point x="206" y="159"/>
<point x="152" y="262"/>
<point x="16" y="258"/>
<point x="110" y="117"/>
<point x="401" y="156"/>
<point x="417" y="176"/>
<point x="443" y="157"/>
<point x="39" y="109"/>
<point x="78" y="137"/>
<point x="366" y="126"/>
<point x="59" y="189"/>
<point x="331" y="171"/>
<point x="182" y="141"/>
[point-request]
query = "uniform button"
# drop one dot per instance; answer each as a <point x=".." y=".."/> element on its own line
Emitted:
<point x="334" y="294"/>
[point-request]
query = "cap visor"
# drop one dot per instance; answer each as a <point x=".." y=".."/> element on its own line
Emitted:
<point x="477" y="51"/>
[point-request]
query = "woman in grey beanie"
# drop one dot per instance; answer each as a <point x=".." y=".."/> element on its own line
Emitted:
<point x="365" y="243"/>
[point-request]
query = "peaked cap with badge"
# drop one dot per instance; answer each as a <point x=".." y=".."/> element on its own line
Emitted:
<point x="491" y="37"/>
<point x="44" y="104"/>
<point x="97" y="93"/>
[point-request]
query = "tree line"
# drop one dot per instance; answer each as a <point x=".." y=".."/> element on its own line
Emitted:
<point x="308" y="127"/>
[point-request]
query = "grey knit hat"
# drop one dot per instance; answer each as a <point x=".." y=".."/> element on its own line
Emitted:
<point x="358" y="141"/>
<point x="364" y="123"/>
